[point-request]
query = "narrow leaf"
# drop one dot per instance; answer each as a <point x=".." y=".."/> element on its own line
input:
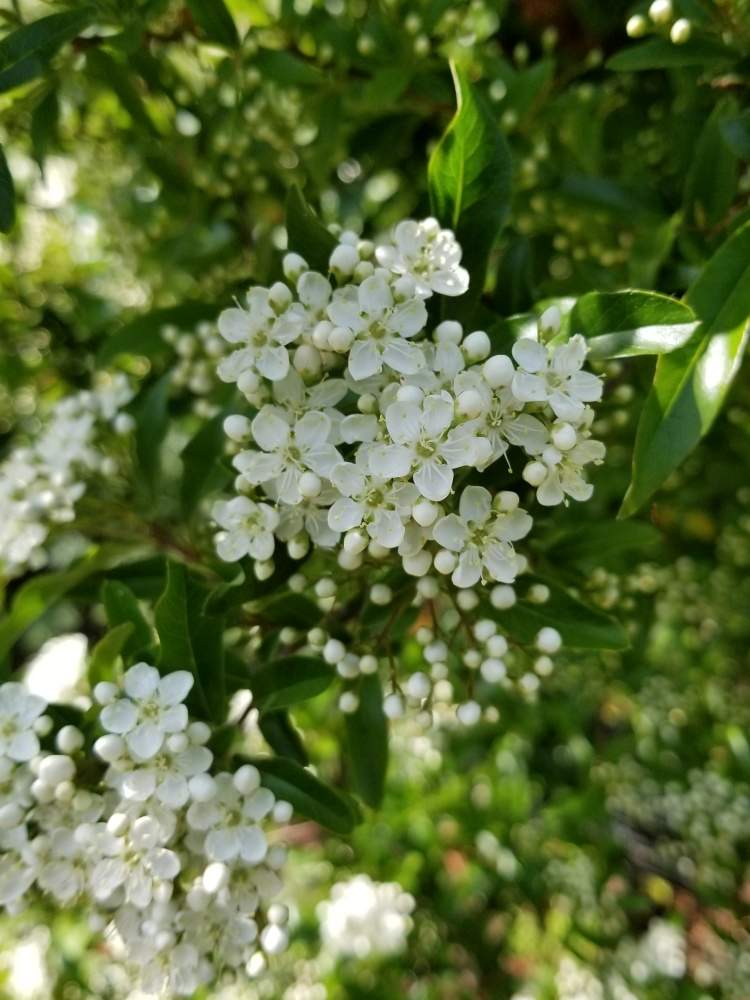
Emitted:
<point x="658" y="53"/>
<point x="121" y="606"/>
<point x="469" y="177"/>
<point x="214" y="19"/>
<point x="203" y="470"/>
<point x="282" y="736"/>
<point x="367" y="742"/>
<point x="46" y="34"/>
<point x="288" y="680"/>
<point x="307" y="235"/>
<point x="106" y="653"/>
<point x="629" y="323"/>
<point x="690" y="384"/>
<point x="7" y="196"/>
<point x="152" y="421"/>
<point x="309" y="796"/>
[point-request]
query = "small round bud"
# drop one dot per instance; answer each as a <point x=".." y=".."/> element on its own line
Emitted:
<point x="660" y="11"/>
<point x="484" y="629"/>
<point x="549" y="322"/>
<point x="381" y="594"/>
<point x="56" y="768"/>
<point x="680" y="31"/>
<point x="493" y="670"/>
<point x="11" y="815"/>
<point x="348" y="702"/>
<point x="469" y="713"/>
<point x="41" y="791"/>
<point x="293" y="266"/>
<point x="109" y="747"/>
<point x="118" y="824"/>
<point x="298" y="547"/>
<point x="340" y="339"/>
<point x="448" y="332"/>
<point x="393" y="706"/>
<point x="325" y="587"/>
<point x="306" y="361"/>
<point x="368" y="664"/>
<point x="334" y="651"/>
<point x="309" y="485"/>
<point x="264" y="569"/>
<point x="321" y="333"/>
<point x="124" y="423"/>
<point x="472" y="658"/>
<point x="477" y="346"/>
<point x="409" y="394"/>
<point x="498" y="371"/>
<point x="202" y="787"/>
<point x="428" y="587"/>
<point x="105" y="692"/>
<point x="273" y="939"/>
<point x="425" y="513"/>
<point x="497" y="645"/>
<point x="44" y="725"/>
<point x="246" y="779"/>
<point x="535" y="473"/>
<point x="282" y="811"/>
<point x="467" y="600"/>
<point x="502" y="597"/>
<point x="539" y="593"/>
<point x="349" y="561"/>
<point x="469" y="404"/>
<point x="367" y="403"/>
<point x="419" y="564"/>
<point x="378" y="551"/>
<point x="237" y="427"/>
<point x="445" y="561"/>
<point x="296" y="583"/>
<point x="69" y="739"/>
<point x="199" y="733"/>
<point x="343" y="259"/>
<point x="355" y="541"/>
<point x="637" y="26"/>
<point x="564" y="436"/>
<point x="418" y="685"/>
<point x="548" y="640"/>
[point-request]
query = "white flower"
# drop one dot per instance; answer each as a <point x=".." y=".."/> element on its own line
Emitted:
<point x="364" y="918"/>
<point x="380" y="327"/>
<point x="152" y="709"/>
<point x="263" y="334"/>
<point x="19" y="710"/>
<point x="165" y="776"/>
<point x="557" y="381"/>
<point x="310" y="515"/>
<point x="428" y="254"/>
<point x="230" y="820"/>
<point x="563" y="477"/>
<point x="380" y="506"/>
<point x="248" y="529"/>
<point x="483" y="537"/>
<point x="424" y="446"/>
<point x="501" y="421"/>
<point x="288" y="451"/>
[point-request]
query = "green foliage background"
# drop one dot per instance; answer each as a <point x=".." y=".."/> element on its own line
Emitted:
<point x="149" y="152"/>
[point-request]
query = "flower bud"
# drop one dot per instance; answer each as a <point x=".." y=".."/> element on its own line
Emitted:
<point x="476" y="346"/>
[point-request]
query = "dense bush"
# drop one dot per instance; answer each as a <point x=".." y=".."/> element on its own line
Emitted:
<point x="374" y="507"/>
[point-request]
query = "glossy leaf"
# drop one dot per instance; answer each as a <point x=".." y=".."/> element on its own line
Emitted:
<point x="659" y="53"/>
<point x="106" y="653"/>
<point x="711" y="181"/>
<point x="690" y="384"/>
<point x="367" y="742"/>
<point x="121" y="606"/>
<point x="203" y="470"/>
<point x="309" y="796"/>
<point x="736" y="134"/>
<point x="288" y="681"/>
<point x="191" y="640"/>
<point x="7" y="196"/>
<point x="283" y="737"/>
<point x="629" y="323"/>
<point x="469" y="176"/>
<point x="44" y="124"/>
<point x="307" y="235"/>
<point x="152" y="421"/>
<point x="580" y="626"/>
<point x="44" y="35"/>
<point x="215" y="21"/>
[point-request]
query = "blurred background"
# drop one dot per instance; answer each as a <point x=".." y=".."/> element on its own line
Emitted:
<point x="595" y="843"/>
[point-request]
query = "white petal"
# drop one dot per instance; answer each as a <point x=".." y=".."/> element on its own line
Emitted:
<point x="434" y="480"/>
<point x="312" y="430"/>
<point x="565" y="407"/>
<point x="364" y="360"/>
<point x="173" y="719"/>
<point x="164" y="864"/>
<point x="469" y="569"/>
<point x="119" y="717"/>
<point x="270" y="430"/>
<point x="313" y="289"/>
<point x="173" y="791"/>
<point x="359" y="427"/>
<point x="343" y="309"/>
<point x="23" y="746"/>
<point x="529" y="388"/>
<point x="451" y="532"/>
<point x="437" y="414"/>
<point x="475" y="504"/>
<point x="408" y="318"/>
<point x="530" y="355"/>
<point x="500" y="562"/>
<point x="386" y="528"/>
<point x="141" y="681"/>
<point x="403" y="357"/>
<point x="585" y="386"/>
<point x="139" y="785"/>
<point x="234" y="325"/>
<point x="145" y="740"/>
<point x="257" y="466"/>
<point x="222" y="845"/>
<point x="348" y="479"/>
<point x="253" y="845"/>
<point x="390" y="461"/>
<point x="345" y="514"/>
<point x="322" y="459"/>
<point x="550" y="493"/>
<point x="452" y="282"/>
<point x="261" y="546"/>
<point x="174" y="687"/>
<point x="403" y="421"/>
<point x="568" y="358"/>
<point x="375" y="295"/>
<point x="272" y="362"/>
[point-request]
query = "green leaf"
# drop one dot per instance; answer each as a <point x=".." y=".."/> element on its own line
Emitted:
<point x="711" y="181"/>
<point x="122" y="607"/>
<point x="629" y="323"/>
<point x="20" y="73"/>
<point x="286" y="68"/>
<point x="736" y="134"/>
<point x="292" y="609"/>
<point x="580" y="626"/>
<point x="119" y="79"/>
<point x="45" y="35"/>
<point x="309" y="796"/>
<point x="592" y="545"/>
<point x="42" y="592"/>
<point x="690" y="384"/>
<point x="658" y="53"/>
<point x="367" y="742"/>
<point x="7" y="196"/>
<point x="191" y="640"/>
<point x="215" y="21"/>
<point x="203" y="469"/>
<point x="106" y="653"/>
<point x="143" y="334"/>
<point x="152" y="422"/>
<point x="469" y="176"/>
<point x="307" y="235"/>
<point x="282" y="736"/>
<point x="246" y="587"/>
<point x="288" y="681"/>
<point x="44" y="123"/>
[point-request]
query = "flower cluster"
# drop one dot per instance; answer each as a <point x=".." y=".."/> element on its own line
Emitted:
<point x="40" y="483"/>
<point x="367" y="423"/>
<point x="198" y="352"/>
<point x="169" y="855"/>
<point x="364" y="918"/>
